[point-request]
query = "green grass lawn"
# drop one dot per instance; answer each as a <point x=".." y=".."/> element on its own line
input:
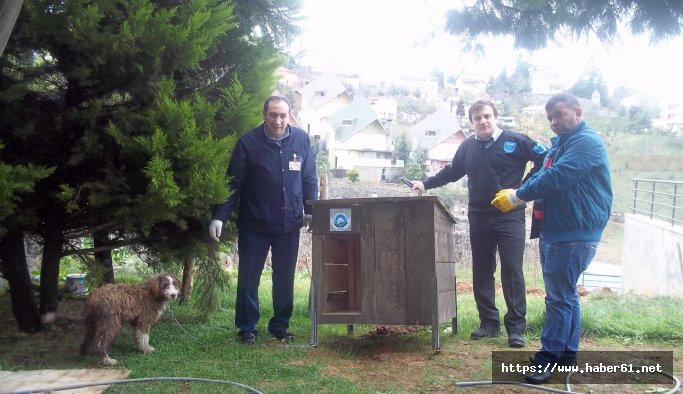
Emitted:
<point x="402" y="362"/>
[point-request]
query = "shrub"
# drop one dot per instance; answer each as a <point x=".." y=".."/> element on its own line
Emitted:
<point x="353" y="175"/>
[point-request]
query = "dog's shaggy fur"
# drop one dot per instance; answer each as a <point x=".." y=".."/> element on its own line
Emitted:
<point x="112" y="305"/>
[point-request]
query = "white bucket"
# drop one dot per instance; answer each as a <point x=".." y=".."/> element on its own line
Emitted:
<point x="75" y="283"/>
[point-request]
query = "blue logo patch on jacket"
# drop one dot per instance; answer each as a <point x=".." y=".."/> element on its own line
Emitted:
<point x="539" y="148"/>
<point x="509" y="147"/>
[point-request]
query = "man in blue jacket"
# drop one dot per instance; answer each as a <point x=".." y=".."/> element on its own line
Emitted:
<point x="272" y="174"/>
<point x="573" y="198"/>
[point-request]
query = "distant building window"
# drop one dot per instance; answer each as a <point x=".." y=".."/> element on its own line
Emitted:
<point x="347" y="122"/>
<point x="370" y="155"/>
<point x="430" y="133"/>
<point x="319" y="93"/>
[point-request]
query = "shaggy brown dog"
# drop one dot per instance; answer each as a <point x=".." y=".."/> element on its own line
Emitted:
<point x="112" y="305"/>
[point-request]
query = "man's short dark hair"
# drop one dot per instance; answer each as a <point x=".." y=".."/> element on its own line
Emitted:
<point x="567" y="98"/>
<point x="275" y="99"/>
<point x="482" y="103"/>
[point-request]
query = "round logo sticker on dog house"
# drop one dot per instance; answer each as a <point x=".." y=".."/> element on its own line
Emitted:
<point x="340" y="219"/>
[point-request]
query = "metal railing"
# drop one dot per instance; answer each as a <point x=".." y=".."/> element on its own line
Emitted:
<point x="658" y="199"/>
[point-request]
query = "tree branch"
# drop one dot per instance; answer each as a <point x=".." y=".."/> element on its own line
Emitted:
<point x="102" y="248"/>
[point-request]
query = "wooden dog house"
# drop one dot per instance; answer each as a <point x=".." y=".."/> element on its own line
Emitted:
<point x="384" y="261"/>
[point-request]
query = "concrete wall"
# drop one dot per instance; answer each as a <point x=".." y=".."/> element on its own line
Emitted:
<point x="652" y="257"/>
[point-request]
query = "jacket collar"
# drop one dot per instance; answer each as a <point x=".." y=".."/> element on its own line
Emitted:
<point x="265" y="133"/>
<point x="559" y="139"/>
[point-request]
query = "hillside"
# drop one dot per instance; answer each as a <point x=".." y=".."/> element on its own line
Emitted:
<point x="649" y="156"/>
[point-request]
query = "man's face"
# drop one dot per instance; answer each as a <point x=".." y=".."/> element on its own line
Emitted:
<point x="563" y="118"/>
<point x="484" y="122"/>
<point x="276" y="118"/>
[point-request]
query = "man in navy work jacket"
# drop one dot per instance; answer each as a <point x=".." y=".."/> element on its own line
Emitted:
<point x="493" y="159"/>
<point x="272" y="173"/>
<point x="573" y="194"/>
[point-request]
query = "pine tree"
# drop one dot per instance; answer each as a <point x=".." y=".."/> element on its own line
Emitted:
<point x="134" y="105"/>
<point x="534" y="23"/>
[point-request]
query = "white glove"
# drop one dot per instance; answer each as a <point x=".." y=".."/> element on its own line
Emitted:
<point x="215" y="229"/>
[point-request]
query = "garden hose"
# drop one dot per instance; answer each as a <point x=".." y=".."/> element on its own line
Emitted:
<point x="126" y="381"/>
<point x="677" y="384"/>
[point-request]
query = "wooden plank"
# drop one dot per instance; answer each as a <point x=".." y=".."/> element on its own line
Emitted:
<point x="451" y="241"/>
<point x="367" y="263"/>
<point x="443" y="224"/>
<point x="443" y="249"/>
<point x="419" y="260"/>
<point x="390" y="286"/>
<point x="354" y="273"/>
<point x="447" y="308"/>
<point x="317" y="270"/>
<point x="445" y="277"/>
<point x="343" y="318"/>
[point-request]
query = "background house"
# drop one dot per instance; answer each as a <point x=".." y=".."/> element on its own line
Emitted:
<point x="672" y="115"/>
<point x="289" y="78"/>
<point x="361" y="141"/>
<point x="315" y="102"/>
<point x="441" y="135"/>
<point x="385" y="107"/>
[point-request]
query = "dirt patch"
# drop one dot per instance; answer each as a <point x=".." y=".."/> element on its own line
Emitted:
<point x="465" y="286"/>
<point x="48" y="378"/>
<point x="381" y="331"/>
<point x="535" y="292"/>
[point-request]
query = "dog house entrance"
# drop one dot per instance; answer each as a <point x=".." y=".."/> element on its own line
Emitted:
<point x="341" y="273"/>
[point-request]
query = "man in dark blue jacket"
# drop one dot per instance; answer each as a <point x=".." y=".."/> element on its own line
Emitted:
<point x="493" y="159"/>
<point x="573" y="196"/>
<point x="272" y="174"/>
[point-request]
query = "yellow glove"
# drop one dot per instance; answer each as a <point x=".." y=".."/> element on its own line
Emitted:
<point x="506" y="200"/>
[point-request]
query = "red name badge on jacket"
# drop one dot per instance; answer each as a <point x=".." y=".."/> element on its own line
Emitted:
<point x="295" y="164"/>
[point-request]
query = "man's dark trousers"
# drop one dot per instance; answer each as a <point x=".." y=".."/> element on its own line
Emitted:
<point x="506" y="233"/>
<point x="252" y="250"/>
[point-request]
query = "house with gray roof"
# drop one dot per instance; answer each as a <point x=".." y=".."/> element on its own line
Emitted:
<point x="361" y="141"/>
<point x="441" y="135"/>
<point x="315" y="102"/>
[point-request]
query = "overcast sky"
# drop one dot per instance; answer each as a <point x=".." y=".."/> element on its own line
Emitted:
<point x="407" y="38"/>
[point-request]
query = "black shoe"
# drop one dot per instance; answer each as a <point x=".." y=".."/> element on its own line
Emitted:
<point x="246" y="337"/>
<point x="516" y="340"/>
<point x="283" y="334"/>
<point x="539" y="377"/>
<point x="486" y="332"/>
<point x="569" y="361"/>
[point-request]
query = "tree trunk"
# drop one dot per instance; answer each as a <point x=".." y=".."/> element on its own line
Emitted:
<point x="9" y="11"/>
<point x="323" y="187"/>
<point x="15" y="270"/>
<point x="188" y="277"/>
<point x="49" y="269"/>
<point x="103" y="258"/>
